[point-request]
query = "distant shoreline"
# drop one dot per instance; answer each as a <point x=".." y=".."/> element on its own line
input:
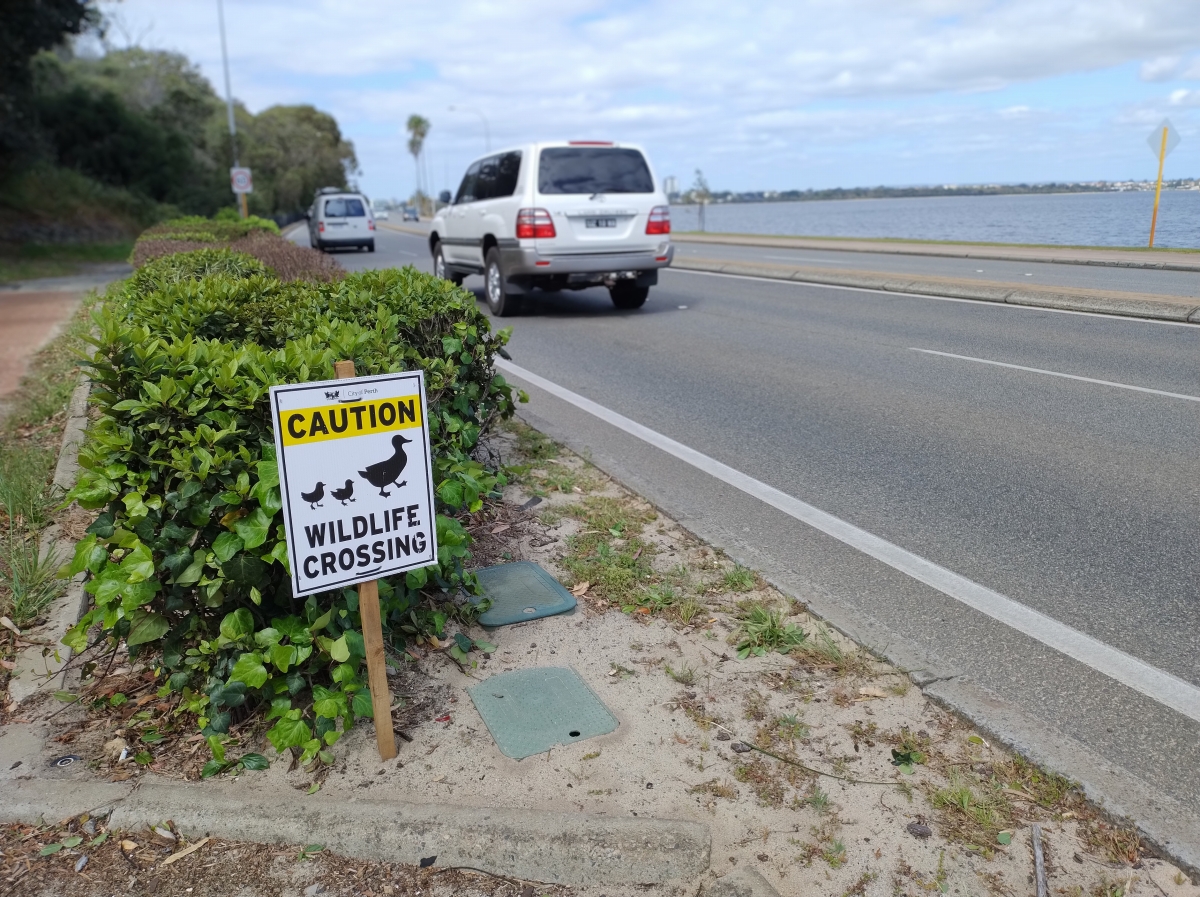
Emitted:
<point x="851" y="193"/>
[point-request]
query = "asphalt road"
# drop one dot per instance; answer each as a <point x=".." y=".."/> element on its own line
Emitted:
<point x="1020" y="274"/>
<point x="1077" y="499"/>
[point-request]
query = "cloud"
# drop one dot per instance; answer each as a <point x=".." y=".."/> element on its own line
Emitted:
<point x="701" y="82"/>
<point x="1163" y="68"/>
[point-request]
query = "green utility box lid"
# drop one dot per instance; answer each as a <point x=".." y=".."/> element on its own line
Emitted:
<point x="530" y="711"/>
<point x="520" y="591"/>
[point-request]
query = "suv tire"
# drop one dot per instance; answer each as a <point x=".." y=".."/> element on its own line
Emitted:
<point x="371" y="246"/>
<point x="627" y="294"/>
<point x="499" y="300"/>
<point x="439" y="268"/>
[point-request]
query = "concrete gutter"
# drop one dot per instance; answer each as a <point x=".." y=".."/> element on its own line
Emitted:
<point x="560" y="848"/>
<point x="1158" y="259"/>
<point x="1108" y="302"/>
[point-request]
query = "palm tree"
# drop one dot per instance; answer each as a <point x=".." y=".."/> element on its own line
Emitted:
<point x="418" y="129"/>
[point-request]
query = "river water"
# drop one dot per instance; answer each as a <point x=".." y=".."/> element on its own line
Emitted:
<point x="1074" y="219"/>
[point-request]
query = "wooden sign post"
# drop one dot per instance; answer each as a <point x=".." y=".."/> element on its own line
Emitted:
<point x="372" y="630"/>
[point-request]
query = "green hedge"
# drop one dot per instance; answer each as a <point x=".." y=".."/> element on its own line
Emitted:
<point x="188" y="555"/>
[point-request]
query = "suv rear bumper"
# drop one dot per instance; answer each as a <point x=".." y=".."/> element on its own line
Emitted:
<point x="520" y="260"/>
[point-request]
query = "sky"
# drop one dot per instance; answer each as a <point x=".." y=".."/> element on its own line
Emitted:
<point x="759" y="96"/>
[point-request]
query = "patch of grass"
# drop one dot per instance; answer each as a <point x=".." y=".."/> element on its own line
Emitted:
<point x="27" y="579"/>
<point x="789" y="727"/>
<point x="823" y="650"/>
<point x="533" y="445"/>
<point x="1119" y="845"/>
<point x="974" y="816"/>
<point x="687" y="609"/>
<point x="615" y="516"/>
<point x="652" y="599"/>
<point x="36" y="260"/>
<point x="684" y="675"/>
<point x="859" y="888"/>
<point x="739" y="579"/>
<point x="762" y="631"/>
<point x="615" y="573"/>
<point x="818" y="800"/>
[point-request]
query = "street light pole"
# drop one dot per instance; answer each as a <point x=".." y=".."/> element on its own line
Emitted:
<point x="229" y="101"/>
<point x="487" y="131"/>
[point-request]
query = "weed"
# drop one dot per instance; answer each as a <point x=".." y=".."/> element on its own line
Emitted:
<point x="687" y="609"/>
<point x="1119" y="845"/>
<point x="592" y="756"/>
<point x="684" y="675"/>
<point x="975" y="817"/>
<point x="739" y="579"/>
<point x="724" y="789"/>
<point x="615" y="573"/>
<point x="756" y="706"/>
<point x="824" y="651"/>
<point x="835" y="854"/>
<point x="652" y="600"/>
<point x="818" y="800"/>
<point x="762" y="631"/>
<point x="551" y="517"/>
<point x="532" y="444"/>
<point x="28" y="580"/>
<point x="622" y="671"/>
<point x="859" y="888"/>
<point x="790" y="727"/>
<point x="762" y="779"/>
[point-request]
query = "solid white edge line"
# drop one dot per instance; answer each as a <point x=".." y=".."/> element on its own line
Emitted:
<point x="837" y="286"/>
<point x="1159" y="685"/>
<point x="1021" y="367"/>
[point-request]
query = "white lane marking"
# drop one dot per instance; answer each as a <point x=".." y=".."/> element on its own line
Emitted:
<point x="976" y="302"/>
<point x="1156" y="684"/>
<point x="1021" y="367"/>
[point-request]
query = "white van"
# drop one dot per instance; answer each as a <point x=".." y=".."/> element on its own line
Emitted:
<point x="341" y="220"/>
<point x="556" y="216"/>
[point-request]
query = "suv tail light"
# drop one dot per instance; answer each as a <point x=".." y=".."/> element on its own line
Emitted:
<point x="321" y="227"/>
<point x="535" y="224"/>
<point x="659" y="221"/>
<point x="370" y="225"/>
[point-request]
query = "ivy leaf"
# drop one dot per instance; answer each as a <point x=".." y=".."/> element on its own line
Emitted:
<point x="291" y="731"/>
<point x="138" y="565"/>
<point x="212" y="768"/>
<point x="238" y="624"/>
<point x="146" y="627"/>
<point x="226" y="546"/>
<point x="254" y="528"/>
<point x="255" y="761"/>
<point x="249" y="669"/>
<point x="485" y="647"/>
<point x="361" y="704"/>
<point x="463" y="642"/>
<point x="283" y="656"/>
<point x="194" y="571"/>
<point x="267" y="638"/>
<point x="339" y="650"/>
<point x="1004" y="838"/>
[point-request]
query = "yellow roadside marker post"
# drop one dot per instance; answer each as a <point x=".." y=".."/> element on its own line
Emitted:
<point x="372" y="630"/>
<point x="1162" y="140"/>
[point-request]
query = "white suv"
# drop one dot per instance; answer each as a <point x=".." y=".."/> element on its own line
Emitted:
<point x="556" y="216"/>
<point x="340" y="219"/>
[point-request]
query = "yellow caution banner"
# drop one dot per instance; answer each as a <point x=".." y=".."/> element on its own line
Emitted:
<point x="308" y="425"/>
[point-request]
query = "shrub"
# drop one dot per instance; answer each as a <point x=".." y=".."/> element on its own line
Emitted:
<point x="189" y="555"/>
<point x="284" y="258"/>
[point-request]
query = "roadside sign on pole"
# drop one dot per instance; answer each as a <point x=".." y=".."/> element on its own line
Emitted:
<point x="240" y="180"/>
<point x="356" y="478"/>
<point x="1162" y="140"/>
<point x="1155" y="140"/>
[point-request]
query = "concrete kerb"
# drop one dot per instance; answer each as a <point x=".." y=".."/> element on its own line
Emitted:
<point x="1112" y="304"/>
<point x="38" y="666"/>
<point x="559" y="848"/>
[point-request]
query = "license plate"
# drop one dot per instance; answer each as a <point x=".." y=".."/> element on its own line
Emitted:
<point x="600" y="222"/>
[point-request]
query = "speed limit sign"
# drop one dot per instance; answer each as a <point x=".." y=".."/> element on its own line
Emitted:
<point x="240" y="180"/>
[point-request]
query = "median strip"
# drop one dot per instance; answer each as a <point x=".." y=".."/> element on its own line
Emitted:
<point x="1133" y="305"/>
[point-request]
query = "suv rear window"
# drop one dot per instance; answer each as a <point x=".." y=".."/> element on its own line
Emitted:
<point x="344" y="208"/>
<point x="593" y="169"/>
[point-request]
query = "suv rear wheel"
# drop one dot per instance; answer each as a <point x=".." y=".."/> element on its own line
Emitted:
<point x="627" y="294"/>
<point x="439" y="267"/>
<point x="499" y="301"/>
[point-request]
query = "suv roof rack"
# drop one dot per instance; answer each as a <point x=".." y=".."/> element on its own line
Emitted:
<point x="323" y="190"/>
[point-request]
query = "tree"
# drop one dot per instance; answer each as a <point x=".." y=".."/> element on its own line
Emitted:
<point x="701" y="193"/>
<point x="26" y="28"/>
<point x="294" y="150"/>
<point x="418" y="129"/>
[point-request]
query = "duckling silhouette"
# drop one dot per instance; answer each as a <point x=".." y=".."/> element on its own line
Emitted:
<point x="314" y="498"/>
<point x="388" y="472"/>
<point x="345" y="493"/>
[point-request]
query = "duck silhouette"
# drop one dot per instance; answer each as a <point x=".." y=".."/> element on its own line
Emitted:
<point x="388" y="472"/>
<point x="314" y="498"/>
<point x="345" y="493"/>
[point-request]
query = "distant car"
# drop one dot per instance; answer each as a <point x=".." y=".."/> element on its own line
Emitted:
<point x="341" y="220"/>
<point x="410" y="214"/>
<point x="556" y="216"/>
<point x="381" y="214"/>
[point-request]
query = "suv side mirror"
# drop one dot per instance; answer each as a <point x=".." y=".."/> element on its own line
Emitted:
<point x="444" y="196"/>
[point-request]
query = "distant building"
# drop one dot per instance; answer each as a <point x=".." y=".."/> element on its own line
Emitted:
<point x="671" y="185"/>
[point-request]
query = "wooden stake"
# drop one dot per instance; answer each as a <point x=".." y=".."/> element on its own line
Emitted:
<point x="372" y="630"/>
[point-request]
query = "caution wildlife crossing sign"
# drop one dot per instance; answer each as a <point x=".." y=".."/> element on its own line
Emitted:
<point x="356" y="478"/>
